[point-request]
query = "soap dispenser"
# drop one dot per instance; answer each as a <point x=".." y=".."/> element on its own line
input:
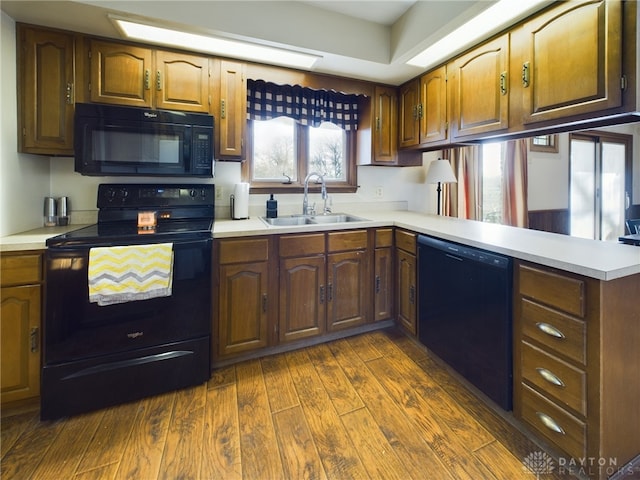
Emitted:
<point x="272" y="207"/>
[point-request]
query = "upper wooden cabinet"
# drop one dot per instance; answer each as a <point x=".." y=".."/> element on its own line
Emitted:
<point x="230" y="109"/>
<point x="46" y="83"/>
<point x="141" y="77"/>
<point x="479" y="90"/>
<point x="423" y="110"/>
<point x="571" y="62"/>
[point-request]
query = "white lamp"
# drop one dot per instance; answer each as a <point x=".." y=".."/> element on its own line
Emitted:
<point x="439" y="172"/>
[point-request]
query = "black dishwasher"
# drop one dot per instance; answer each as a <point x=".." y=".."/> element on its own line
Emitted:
<point x="464" y="313"/>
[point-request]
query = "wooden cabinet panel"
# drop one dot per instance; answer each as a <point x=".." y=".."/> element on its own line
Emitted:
<point x="406" y="241"/>
<point x="20" y="348"/>
<point x="479" y="89"/>
<point x="242" y="322"/>
<point x="347" y="290"/>
<point x="303" y="297"/>
<point x="21" y="269"/>
<point x="555" y="378"/>
<point x="573" y="60"/>
<point x="46" y="84"/>
<point x="385" y="134"/>
<point x="383" y="237"/>
<point x="247" y="250"/>
<point x="406" y="275"/>
<point x="409" y="105"/>
<point x="182" y="82"/>
<point x="348" y="240"/>
<point x="558" y="426"/>
<point x="302" y="245"/>
<point x="121" y="74"/>
<point x="383" y="287"/>
<point x="433" y="111"/>
<point x="560" y="333"/>
<point x="230" y="109"/>
<point x="560" y="291"/>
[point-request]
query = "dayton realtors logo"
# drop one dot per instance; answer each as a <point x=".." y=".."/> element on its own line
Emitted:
<point x="540" y="463"/>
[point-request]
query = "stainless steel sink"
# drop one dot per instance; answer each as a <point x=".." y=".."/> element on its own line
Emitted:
<point x="294" y="220"/>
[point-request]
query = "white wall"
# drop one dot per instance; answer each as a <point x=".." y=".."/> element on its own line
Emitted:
<point x="24" y="179"/>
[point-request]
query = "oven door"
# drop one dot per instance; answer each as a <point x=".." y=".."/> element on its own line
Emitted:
<point x="76" y="329"/>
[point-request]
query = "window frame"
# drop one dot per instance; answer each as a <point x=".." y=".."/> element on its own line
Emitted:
<point x="350" y="185"/>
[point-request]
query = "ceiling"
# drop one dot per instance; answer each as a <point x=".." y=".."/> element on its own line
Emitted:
<point x="369" y="40"/>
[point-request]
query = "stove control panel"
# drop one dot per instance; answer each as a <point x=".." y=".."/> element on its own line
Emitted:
<point x="154" y="195"/>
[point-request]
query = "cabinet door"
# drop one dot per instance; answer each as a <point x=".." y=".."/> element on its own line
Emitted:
<point x="433" y="111"/>
<point x="243" y="308"/>
<point x="383" y="284"/>
<point x="230" y="110"/>
<point x="46" y="91"/>
<point x="479" y="89"/>
<point x="385" y="133"/>
<point x="20" y="348"/>
<point x="121" y="74"/>
<point x="406" y="293"/>
<point x="303" y="297"/>
<point x="347" y="289"/>
<point x="409" y="106"/>
<point x="181" y="82"/>
<point x="573" y="61"/>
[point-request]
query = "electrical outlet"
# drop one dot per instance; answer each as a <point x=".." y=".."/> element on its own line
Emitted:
<point x="219" y="192"/>
<point x="379" y="192"/>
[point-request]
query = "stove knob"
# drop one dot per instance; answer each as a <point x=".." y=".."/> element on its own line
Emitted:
<point x="193" y="193"/>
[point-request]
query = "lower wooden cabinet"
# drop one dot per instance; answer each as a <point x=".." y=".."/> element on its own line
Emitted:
<point x="406" y="280"/>
<point x="20" y="319"/>
<point x="242" y="311"/>
<point x="383" y="286"/>
<point x="565" y="327"/>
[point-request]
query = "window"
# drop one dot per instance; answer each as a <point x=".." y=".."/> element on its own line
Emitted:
<point x="492" y="191"/>
<point x="294" y="131"/>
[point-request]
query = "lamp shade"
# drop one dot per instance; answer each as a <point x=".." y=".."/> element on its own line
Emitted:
<point x="440" y="171"/>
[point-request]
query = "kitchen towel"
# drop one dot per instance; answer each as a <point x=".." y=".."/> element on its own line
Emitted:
<point x="130" y="273"/>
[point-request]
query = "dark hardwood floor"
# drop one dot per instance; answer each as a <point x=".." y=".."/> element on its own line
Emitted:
<point x="372" y="406"/>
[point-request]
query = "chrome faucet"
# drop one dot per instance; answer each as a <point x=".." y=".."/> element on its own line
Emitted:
<point x="305" y="201"/>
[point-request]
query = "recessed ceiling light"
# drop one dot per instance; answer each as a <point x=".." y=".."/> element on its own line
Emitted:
<point x="215" y="45"/>
<point x="494" y="17"/>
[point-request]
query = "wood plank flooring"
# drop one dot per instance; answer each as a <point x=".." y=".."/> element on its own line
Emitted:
<point x="372" y="406"/>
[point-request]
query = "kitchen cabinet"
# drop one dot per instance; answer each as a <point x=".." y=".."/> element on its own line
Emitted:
<point x="406" y="280"/>
<point x="141" y="77"/>
<point x="20" y="320"/>
<point x="348" y="282"/>
<point x="383" y="286"/>
<point x="571" y="62"/>
<point x="46" y="90"/>
<point x="565" y="325"/>
<point x="230" y="109"/>
<point x="478" y="90"/>
<point x="303" y="286"/>
<point x="423" y="110"/>
<point x="243" y="296"/>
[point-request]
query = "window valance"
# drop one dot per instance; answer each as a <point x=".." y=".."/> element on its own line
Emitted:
<point x="266" y="100"/>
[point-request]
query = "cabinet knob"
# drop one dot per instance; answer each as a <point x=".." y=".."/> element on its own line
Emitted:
<point x="549" y="330"/>
<point x="412" y="294"/>
<point x="69" y="94"/>
<point x="503" y="83"/>
<point x="550" y="423"/>
<point x="550" y="377"/>
<point x="158" y="80"/>
<point x="147" y="79"/>
<point x="321" y="293"/>
<point x="377" y="283"/>
<point x="34" y="339"/>
<point x="264" y="303"/>
<point x="525" y="74"/>
<point x="223" y="109"/>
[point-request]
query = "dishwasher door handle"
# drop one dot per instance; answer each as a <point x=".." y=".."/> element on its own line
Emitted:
<point x="454" y="257"/>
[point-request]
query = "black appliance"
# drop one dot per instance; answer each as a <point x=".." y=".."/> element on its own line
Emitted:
<point x="97" y="356"/>
<point x="464" y="313"/>
<point x="117" y="140"/>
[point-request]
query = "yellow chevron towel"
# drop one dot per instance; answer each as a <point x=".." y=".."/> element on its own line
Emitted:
<point x="130" y="273"/>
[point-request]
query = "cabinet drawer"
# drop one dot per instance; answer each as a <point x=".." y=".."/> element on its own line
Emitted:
<point x="21" y="269"/>
<point x="301" y="245"/>
<point x="559" y="332"/>
<point x="384" y="237"/>
<point x="555" y="424"/>
<point x="406" y="241"/>
<point x="554" y="377"/>
<point x="559" y="291"/>
<point x="348" y="240"/>
<point x="243" y="251"/>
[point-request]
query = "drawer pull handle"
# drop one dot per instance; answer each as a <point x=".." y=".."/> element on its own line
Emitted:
<point x="550" y="423"/>
<point x="549" y="330"/>
<point x="550" y="377"/>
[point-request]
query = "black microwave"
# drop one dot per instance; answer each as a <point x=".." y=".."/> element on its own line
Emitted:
<point x="116" y="140"/>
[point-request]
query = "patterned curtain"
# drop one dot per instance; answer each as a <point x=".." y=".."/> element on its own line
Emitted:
<point x="514" y="184"/>
<point x="463" y="199"/>
<point x="307" y="106"/>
